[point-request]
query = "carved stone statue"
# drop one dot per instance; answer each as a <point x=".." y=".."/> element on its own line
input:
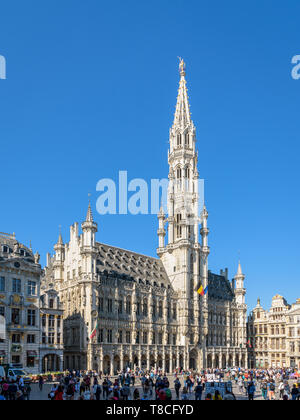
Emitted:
<point x="37" y="258"/>
<point x="16" y="248"/>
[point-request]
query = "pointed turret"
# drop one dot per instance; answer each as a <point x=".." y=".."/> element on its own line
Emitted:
<point x="59" y="248"/>
<point x="239" y="271"/>
<point x="182" y="114"/>
<point x="89" y="228"/>
<point x="240" y="291"/>
<point x="161" y="230"/>
<point x="89" y="216"/>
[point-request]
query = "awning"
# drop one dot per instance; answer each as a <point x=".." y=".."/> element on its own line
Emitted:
<point x="32" y="353"/>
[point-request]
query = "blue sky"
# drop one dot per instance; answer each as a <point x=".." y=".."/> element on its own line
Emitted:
<point x="91" y="89"/>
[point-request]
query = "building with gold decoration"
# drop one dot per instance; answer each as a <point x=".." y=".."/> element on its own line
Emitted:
<point x="51" y="324"/>
<point x="20" y="274"/>
<point x="274" y="335"/>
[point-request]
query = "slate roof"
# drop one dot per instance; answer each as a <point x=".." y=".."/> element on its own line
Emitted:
<point x="219" y="288"/>
<point x="131" y="266"/>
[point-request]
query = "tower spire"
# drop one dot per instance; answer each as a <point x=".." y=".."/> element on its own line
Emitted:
<point x="182" y="114"/>
<point x="89" y="216"/>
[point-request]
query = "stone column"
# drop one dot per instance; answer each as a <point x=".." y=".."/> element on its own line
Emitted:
<point x="148" y="359"/>
<point x="112" y="365"/>
<point x="122" y="360"/>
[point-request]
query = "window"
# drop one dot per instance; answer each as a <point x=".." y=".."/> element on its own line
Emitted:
<point x="101" y="304"/>
<point x="16" y="338"/>
<point x="120" y="337"/>
<point x="109" y="305"/>
<point x="120" y="308"/>
<point x="44" y="340"/>
<point x="137" y="339"/>
<point x="31" y="317"/>
<point x="160" y="309"/>
<point x="145" y="338"/>
<point x="174" y="312"/>
<point x="100" y="336"/>
<point x="58" y="338"/>
<point x="174" y="339"/>
<point x="109" y="336"/>
<point x="31" y="288"/>
<point x="128" y="337"/>
<point x="2" y="311"/>
<point x="30" y="339"/>
<point x="145" y="308"/>
<point x="15" y="316"/>
<point x="51" y="338"/>
<point x="128" y="306"/>
<point x="51" y="321"/>
<point x="44" y="321"/>
<point x="153" y="338"/>
<point x="2" y="284"/>
<point x="51" y="303"/>
<point x="160" y="338"/>
<point x="30" y="362"/>
<point x="58" y="321"/>
<point x="138" y="308"/>
<point x="16" y="286"/>
<point x="15" y="360"/>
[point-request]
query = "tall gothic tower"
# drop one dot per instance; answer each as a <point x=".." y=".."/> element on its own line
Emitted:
<point x="184" y="258"/>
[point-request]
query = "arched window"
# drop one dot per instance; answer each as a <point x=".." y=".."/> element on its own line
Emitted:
<point x="178" y="227"/>
<point x="187" y="140"/>
<point x="128" y="305"/>
<point x="178" y="173"/>
<point x="145" y="307"/>
<point x="178" y="140"/>
<point x="160" y="309"/>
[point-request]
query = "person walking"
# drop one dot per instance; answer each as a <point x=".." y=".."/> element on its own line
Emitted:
<point x="251" y="391"/>
<point x="41" y="383"/>
<point x="294" y="392"/>
<point x="177" y="386"/>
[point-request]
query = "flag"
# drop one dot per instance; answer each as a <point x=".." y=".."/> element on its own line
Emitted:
<point x="249" y="344"/>
<point x="94" y="332"/>
<point x="201" y="291"/>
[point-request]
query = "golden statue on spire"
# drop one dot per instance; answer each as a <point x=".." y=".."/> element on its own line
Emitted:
<point x="182" y="66"/>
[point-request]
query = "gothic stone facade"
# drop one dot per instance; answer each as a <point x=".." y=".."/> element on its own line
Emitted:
<point x="148" y="311"/>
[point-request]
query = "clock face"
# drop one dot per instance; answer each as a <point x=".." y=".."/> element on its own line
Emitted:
<point x="17" y="265"/>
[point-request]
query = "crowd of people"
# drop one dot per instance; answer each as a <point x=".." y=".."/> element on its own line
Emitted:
<point x="137" y="385"/>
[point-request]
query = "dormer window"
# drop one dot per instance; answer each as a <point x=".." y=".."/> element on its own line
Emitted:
<point x="5" y="249"/>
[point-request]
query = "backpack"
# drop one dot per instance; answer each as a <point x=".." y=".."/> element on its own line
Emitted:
<point x="272" y="387"/>
<point x="168" y="393"/>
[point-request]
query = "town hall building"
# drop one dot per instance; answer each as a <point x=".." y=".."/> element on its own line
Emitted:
<point x="146" y="312"/>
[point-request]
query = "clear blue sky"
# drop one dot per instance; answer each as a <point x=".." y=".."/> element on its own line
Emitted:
<point x="91" y="89"/>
